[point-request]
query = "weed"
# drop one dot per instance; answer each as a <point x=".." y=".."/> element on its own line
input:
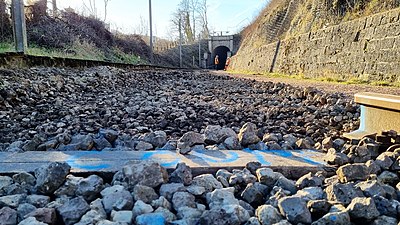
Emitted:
<point x="6" y="47"/>
<point x="356" y="81"/>
<point x="122" y="57"/>
<point x="86" y="50"/>
<point x="328" y="79"/>
<point x="395" y="84"/>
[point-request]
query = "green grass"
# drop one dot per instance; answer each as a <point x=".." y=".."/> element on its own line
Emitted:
<point x="329" y="79"/>
<point x="356" y="81"/>
<point x="271" y="75"/>
<point x="79" y="50"/>
<point x="121" y="57"/>
<point x="386" y="83"/>
<point x="352" y="81"/>
<point x="6" y="47"/>
<point x="40" y="51"/>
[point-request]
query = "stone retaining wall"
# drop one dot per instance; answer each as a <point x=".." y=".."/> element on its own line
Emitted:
<point x="366" y="48"/>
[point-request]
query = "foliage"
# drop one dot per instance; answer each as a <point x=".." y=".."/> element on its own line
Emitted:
<point x="89" y="28"/>
<point x="68" y="34"/>
<point x="86" y="50"/>
<point x="50" y="33"/>
<point x="74" y="35"/>
<point x="36" y="10"/>
<point x="5" y="22"/>
<point x="6" y="47"/>
<point x="132" y="44"/>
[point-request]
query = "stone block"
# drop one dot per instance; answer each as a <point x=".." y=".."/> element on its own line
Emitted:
<point x="394" y="15"/>
<point x="393" y="29"/>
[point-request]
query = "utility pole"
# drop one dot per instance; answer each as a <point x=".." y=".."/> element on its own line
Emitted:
<point x="199" y="52"/>
<point x="54" y="3"/>
<point x="95" y="10"/>
<point x="180" y="41"/>
<point x="19" y="26"/>
<point x="151" y="34"/>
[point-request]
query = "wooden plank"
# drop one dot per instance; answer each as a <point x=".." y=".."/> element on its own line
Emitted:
<point x="199" y="161"/>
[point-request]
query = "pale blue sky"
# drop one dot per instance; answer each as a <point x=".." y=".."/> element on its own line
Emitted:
<point x="124" y="15"/>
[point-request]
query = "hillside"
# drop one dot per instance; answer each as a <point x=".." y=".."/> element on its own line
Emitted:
<point x="72" y="35"/>
<point x="329" y="39"/>
<point x="287" y="18"/>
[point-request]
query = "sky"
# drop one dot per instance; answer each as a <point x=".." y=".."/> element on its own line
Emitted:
<point x="125" y="15"/>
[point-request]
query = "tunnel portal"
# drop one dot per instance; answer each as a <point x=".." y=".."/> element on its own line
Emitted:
<point x="221" y="46"/>
<point x="222" y="52"/>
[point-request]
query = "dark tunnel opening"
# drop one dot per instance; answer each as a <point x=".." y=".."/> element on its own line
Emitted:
<point x="222" y="52"/>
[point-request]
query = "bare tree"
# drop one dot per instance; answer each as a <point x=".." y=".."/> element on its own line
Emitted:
<point x="142" y="28"/>
<point x="188" y="27"/>
<point x="90" y="6"/>
<point x="191" y="13"/>
<point x="193" y="7"/>
<point x="202" y="10"/>
<point x="185" y="11"/>
<point x="36" y="10"/>
<point x="175" y="21"/>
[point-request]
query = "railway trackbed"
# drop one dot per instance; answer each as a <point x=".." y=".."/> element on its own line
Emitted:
<point x="84" y="144"/>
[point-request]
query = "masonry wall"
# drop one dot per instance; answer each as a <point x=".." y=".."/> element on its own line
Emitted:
<point x="366" y="48"/>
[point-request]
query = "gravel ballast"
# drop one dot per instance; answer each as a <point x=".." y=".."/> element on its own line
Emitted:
<point x="108" y="109"/>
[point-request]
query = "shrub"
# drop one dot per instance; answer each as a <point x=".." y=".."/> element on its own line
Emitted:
<point x="5" y="22"/>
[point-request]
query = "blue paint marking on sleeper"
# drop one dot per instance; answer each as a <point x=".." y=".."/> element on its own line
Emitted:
<point x="288" y="154"/>
<point x="201" y="153"/>
<point x="74" y="162"/>
<point x="261" y="154"/>
<point x="258" y="155"/>
<point x="281" y="153"/>
<point x="310" y="161"/>
<point x="307" y="159"/>
<point x="149" y="155"/>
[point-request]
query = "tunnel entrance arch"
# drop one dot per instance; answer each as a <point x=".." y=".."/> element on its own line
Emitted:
<point x="223" y="53"/>
<point x="221" y="46"/>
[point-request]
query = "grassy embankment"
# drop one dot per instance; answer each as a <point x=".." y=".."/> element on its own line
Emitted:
<point x="79" y="50"/>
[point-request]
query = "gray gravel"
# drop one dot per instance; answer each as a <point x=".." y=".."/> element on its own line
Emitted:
<point x="108" y="109"/>
<point x="142" y="193"/>
<point x="45" y="109"/>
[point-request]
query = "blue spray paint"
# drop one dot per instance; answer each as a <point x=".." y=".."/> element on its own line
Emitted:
<point x="258" y="155"/>
<point x="289" y="155"/>
<point x="74" y="162"/>
<point x="261" y="156"/>
<point x="149" y="155"/>
<point x="233" y="156"/>
<point x="281" y="153"/>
